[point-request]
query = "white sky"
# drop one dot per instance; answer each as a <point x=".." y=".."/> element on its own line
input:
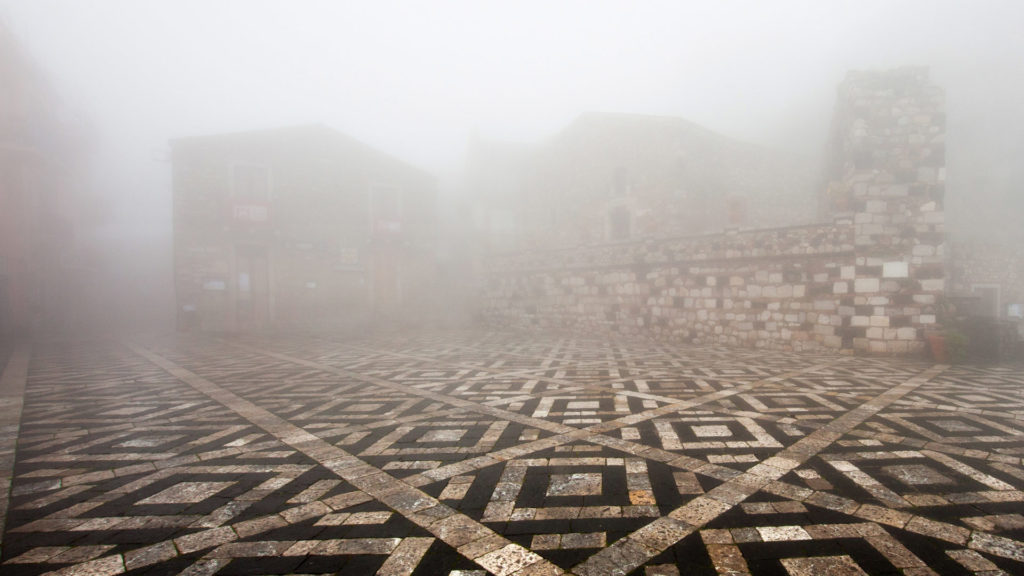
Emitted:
<point x="416" y="78"/>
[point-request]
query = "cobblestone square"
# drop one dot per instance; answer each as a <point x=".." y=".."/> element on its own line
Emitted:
<point x="472" y="453"/>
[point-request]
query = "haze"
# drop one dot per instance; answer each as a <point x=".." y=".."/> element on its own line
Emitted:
<point x="418" y="80"/>
<point x="517" y="288"/>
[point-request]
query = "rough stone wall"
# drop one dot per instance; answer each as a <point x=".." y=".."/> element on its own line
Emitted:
<point x="889" y="174"/>
<point x="989" y="263"/>
<point x="869" y="281"/>
<point x="766" y="288"/>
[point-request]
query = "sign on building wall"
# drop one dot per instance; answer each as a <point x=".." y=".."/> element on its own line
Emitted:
<point x="250" y="212"/>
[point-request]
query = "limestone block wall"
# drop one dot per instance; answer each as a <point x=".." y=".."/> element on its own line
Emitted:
<point x="998" y="264"/>
<point x="889" y="176"/>
<point x="767" y="288"/>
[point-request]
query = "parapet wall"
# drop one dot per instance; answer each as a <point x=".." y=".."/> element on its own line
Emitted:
<point x="795" y="288"/>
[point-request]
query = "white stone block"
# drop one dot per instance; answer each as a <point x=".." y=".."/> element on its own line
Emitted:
<point x="906" y="333"/>
<point x="880" y="321"/>
<point x="895" y="270"/>
<point x="840" y="288"/>
<point x="859" y="321"/>
<point x="933" y="284"/>
<point x="876" y="206"/>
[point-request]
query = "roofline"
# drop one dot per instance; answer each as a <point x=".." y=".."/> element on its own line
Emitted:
<point x="256" y="132"/>
<point x="333" y="132"/>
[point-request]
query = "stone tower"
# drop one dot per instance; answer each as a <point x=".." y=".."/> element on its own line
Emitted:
<point x="887" y="177"/>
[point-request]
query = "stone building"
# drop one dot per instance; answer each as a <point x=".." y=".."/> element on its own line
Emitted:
<point x="990" y="273"/>
<point x="621" y="177"/>
<point x="297" y="227"/>
<point x="47" y="276"/>
<point x="867" y="276"/>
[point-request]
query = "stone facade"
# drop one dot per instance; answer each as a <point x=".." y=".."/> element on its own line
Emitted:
<point x="992" y="272"/>
<point x="297" y="227"/>
<point x="867" y="280"/>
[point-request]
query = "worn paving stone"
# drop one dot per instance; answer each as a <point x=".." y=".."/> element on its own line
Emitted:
<point x="498" y="453"/>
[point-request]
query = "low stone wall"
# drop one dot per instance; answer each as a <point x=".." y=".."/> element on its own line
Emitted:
<point x="800" y="288"/>
<point x="766" y="288"/>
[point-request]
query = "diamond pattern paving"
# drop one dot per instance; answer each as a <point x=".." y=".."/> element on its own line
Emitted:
<point x="499" y="453"/>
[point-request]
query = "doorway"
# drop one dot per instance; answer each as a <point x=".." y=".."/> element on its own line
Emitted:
<point x="252" y="295"/>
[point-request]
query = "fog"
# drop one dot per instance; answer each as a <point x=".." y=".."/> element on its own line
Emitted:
<point x="421" y="81"/>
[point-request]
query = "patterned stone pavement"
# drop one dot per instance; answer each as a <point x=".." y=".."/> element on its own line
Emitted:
<point x="470" y="453"/>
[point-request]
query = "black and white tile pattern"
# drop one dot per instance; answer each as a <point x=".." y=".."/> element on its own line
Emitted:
<point x="498" y="453"/>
